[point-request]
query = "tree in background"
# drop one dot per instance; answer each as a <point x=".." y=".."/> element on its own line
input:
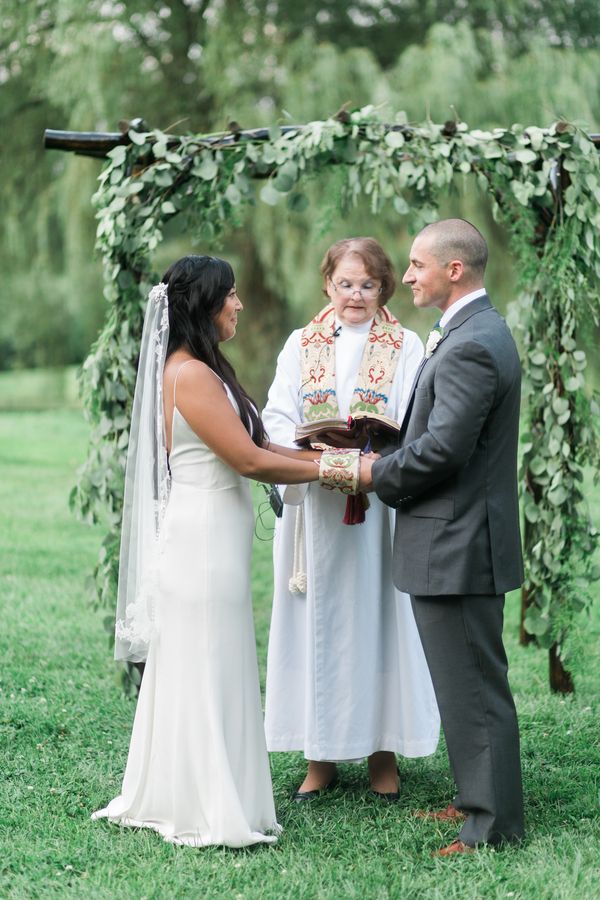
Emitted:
<point x="195" y="66"/>
<point x="387" y="27"/>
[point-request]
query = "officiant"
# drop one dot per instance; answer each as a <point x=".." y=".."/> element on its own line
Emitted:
<point x="346" y="675"/>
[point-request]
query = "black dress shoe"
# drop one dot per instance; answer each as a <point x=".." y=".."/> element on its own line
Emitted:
<point x="390" y="797"/>
<point x="302" y="796"/>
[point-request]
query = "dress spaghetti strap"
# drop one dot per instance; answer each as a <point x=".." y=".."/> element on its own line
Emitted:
<point x="176" y="377"/>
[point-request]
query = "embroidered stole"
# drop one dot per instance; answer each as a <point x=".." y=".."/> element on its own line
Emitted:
<point x="375" y="375"/>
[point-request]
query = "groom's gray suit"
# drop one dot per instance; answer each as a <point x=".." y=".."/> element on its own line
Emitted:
<point x="453" y="483"/>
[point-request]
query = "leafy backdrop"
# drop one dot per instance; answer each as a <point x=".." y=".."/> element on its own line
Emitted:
<point x="544" y="186"/>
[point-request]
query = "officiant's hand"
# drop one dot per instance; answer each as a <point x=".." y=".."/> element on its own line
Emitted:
<point x="365" y="480"/>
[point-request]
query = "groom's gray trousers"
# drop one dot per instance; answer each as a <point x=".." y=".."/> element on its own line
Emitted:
<point x="477" y="710"/>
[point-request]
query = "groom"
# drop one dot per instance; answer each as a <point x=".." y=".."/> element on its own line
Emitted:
<point x="453" y="483"/>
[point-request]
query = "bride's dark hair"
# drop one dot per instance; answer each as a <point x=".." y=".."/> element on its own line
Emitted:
<point x="197" y="287"/>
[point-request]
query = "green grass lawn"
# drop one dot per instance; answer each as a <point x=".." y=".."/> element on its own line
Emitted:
<point x="39" y="389"/>
<point x="64" y="732"/>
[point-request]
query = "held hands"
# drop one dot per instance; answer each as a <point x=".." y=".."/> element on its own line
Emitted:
<point x="343" y="470"/>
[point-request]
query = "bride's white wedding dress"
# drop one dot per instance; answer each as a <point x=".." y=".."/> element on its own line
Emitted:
<point x="198" y="770"/>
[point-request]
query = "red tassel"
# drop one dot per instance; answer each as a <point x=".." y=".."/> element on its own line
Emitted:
<point x="355" y="509"/>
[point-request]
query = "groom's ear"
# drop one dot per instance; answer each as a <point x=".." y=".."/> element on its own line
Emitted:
<point x="455" y="269"/>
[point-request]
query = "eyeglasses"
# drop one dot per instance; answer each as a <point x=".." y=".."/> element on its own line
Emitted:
<point x="368" y="291"/>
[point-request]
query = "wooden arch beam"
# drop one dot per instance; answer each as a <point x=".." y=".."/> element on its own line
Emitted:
<point x="100" y="143"/>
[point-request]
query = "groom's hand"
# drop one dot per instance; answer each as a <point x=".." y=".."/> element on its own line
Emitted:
<point x="365" y="480"/>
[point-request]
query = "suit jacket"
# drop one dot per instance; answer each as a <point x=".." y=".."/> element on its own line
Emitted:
<point x="453" y="476"/>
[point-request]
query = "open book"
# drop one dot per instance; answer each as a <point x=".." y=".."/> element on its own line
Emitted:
<point x="355" y="431"/>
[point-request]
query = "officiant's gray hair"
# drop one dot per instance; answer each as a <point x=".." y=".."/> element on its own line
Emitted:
<point x="458" y="239"/>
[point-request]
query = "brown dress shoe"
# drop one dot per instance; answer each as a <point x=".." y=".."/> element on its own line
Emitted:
<point x="454" y="847"/>
<point x="450" y="814"/>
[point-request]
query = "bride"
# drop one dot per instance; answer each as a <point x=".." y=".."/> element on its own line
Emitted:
<point x="197" y="770"/>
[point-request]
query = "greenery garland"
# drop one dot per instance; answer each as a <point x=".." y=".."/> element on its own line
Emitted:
<point x="208" y="179"/>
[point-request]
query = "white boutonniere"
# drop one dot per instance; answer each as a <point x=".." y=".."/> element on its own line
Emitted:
<point x="433" y="340"/>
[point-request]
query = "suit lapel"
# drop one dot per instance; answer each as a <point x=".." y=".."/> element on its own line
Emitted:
<point x="455" y="322"/>
<point x="412" y="392"/>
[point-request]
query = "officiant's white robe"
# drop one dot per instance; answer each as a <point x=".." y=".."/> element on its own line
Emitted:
<point x="346" y="674"/>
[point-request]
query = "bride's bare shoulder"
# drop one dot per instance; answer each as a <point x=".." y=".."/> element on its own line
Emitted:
<point x="190" y="373"/>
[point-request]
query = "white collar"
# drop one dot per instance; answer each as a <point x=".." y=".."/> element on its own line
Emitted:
<point x="458" y="304"/>
<point x="360" y="328"/>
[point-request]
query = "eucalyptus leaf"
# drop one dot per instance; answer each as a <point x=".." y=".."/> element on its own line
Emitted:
<point x="159" y="149"/>
<point x="138" y="137"/>
<point x="557" y="495"/>
<point x="163" y="178"/>
<point x="297" y="202"/>
<point x="531" y="512"/>
<point x="289" y="169"/>
<point x="125" y="279"/>
<point x="560" y="405"/>
<point x="535" y="623"/>
<point x="207" y="168"/>
<point x="232" y="195"/>
<point x="270" y="195"/>
<point x="574" y="383"/>
<point x="283" y="183"/>
<point x="268" y="155"/>
<point x="546" y="640"/>
<point x="400" y="205"/>
<point x="538" y="358"/>
<point x="118" y="155"/>
<point x="394" y="139"/>
<point x="525" y="156"/>
<point x="537" y="465"/>
<point x="553" y="446"/>
<point x="522" y="191"/>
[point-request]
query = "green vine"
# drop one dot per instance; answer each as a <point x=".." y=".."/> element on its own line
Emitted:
<point x="209" y="179"/>
<point x="560" y="443"/>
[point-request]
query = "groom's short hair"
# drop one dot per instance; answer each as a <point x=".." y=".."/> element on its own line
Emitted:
<point x="458" y="239"/>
